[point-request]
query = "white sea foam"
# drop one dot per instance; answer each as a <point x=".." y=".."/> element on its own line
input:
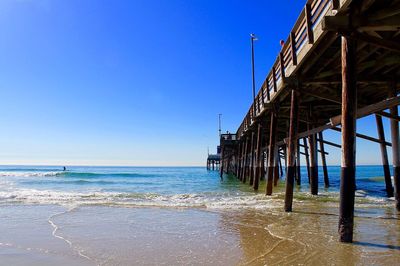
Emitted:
<point x="211" y="201"/>
<point x="29" y="174"/>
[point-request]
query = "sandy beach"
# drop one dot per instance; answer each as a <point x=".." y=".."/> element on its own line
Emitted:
<point x="98" y="235"/>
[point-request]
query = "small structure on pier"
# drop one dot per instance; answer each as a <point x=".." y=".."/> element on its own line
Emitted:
<point x="340" y="62"/>
<point x="213" y="161"/>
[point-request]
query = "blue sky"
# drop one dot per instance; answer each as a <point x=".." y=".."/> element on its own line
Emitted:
<point x="101" y="82"/>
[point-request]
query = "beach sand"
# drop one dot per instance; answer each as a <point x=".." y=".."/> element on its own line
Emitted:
<point x="109" y="235"/>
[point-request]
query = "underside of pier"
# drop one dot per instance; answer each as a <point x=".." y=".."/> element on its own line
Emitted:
<point x="340" y="62"/>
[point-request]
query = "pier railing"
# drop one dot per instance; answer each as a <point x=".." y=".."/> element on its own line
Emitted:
<point x="306" y="31"/>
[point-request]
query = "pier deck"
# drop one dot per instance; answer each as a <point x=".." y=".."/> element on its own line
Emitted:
<point x="340" y="62"/>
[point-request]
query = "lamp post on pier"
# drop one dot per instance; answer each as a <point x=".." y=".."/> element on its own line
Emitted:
<point x="219" y="124"/>
<point x="253" y="38"/>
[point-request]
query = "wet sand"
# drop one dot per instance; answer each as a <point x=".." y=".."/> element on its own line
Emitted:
<point x="101" y="235"/>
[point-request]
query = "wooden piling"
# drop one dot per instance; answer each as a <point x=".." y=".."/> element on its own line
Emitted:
<point x="385" y="161"/>
<point x="239" y="161"/>
<point x="245" y="160"/>
<point x="298" y="175"/>
<point x="323" y="159"/>
<point x="394" y="126"/>
<point x="291" y="168"/>
<point x="348" y="121"/>
<point x="262" y="169"/>
<point x="277" y="166"/>
<point x="252" y="157"/>
<point x="307" y="158"/>
<point x="313" y="165"/>
<point x="271" y="152"/>
<point x="258" y="158"/>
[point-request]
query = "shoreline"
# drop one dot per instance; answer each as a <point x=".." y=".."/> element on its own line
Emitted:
<point x="144" y="235"/>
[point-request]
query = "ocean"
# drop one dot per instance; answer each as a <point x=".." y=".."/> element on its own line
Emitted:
<point x="185" y="215"/>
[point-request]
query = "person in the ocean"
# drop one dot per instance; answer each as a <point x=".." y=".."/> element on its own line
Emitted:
<point x="64" y="169"/>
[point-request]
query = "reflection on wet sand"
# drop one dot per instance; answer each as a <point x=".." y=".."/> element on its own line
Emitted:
<point x="196" y="236"/>
<point x="308" y="236"/>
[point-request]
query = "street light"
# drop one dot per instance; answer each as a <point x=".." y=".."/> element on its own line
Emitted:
<point x="253" y="38"/>
<point x="219" y="124"/>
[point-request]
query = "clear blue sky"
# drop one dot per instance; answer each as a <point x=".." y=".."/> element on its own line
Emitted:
<point x="113" y="82"/>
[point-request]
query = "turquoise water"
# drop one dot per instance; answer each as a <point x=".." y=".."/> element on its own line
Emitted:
<point x="157" y="186"/>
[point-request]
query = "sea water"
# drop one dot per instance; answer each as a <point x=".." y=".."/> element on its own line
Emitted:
<point x="186" y="216"/>
<point x="157" y="186"/>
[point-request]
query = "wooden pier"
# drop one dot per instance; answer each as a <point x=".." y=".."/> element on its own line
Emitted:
<point x="340" y="62"/>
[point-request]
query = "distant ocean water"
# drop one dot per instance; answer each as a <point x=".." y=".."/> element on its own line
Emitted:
<point x="164" y="187"/>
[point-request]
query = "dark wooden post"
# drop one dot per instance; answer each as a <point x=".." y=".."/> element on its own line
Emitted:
<point x="271" y="152"/>
<point x="252" y="157"/>
<point x="245" y="160"/>
<point x="394" y="125"/>
<point x="307" y="158"/>
<point x="298" y="163"/>
<point x="238" y="161"/>
<point x="348" y="121"/>
<point x="277" y="166"/>
<point x="385" y="161"/>
<point x="291" y="162"/>
<point x="262" y="169"/>
<point x="221" y="169"/>
<point x="313" y="164"/>
<point x="323" y="159"/>
<point x="258" y="158"/>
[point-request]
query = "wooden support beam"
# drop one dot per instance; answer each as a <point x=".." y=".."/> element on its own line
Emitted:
<point x="342" y="24"/>
<point x="361" y="112"/>
<point x="348" y="26"/>
<point x="323" y="159"/>
<point x="386" y="44"/>
<point x="322" y="96"/>
<point x="390" y="11"/>
<point x="388" y="115"/>
<point x="320" y="151"/>
<point x="271" y="152"/>
<point x="394" y="126"/>
<point x="258" y="159"/>
<point x="291" y="168"/>
<point x="385" y="161"/>
<point x="362" y="136"/>
<point x="348" y="121"/>
<point x="330" y="143"/>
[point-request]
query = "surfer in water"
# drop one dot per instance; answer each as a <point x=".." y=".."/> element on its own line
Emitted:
<point x="64" y="169"/>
